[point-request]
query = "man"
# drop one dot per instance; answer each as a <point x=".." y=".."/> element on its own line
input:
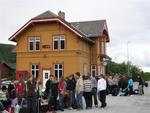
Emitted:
<point x="87" y="84"/>
<point x="48" y="86"/>
<point x="94" y="90"/>
<point x="71" y="91"/>
<point x="101" y="87"/>
<point x="79" y="91"/>
<point x="31" y="93"/>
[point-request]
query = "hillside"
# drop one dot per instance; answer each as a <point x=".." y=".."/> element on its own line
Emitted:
<point x="5" y="53"/>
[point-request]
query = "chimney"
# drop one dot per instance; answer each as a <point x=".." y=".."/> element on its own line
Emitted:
<point x="61" y="15"/>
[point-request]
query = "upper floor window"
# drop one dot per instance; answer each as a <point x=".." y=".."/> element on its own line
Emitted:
<point x="59" y="42"/>
<point x="34" y="43"/>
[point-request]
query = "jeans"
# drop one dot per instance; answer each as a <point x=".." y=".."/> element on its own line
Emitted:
<point x="32" y="104"/>
<point x="88" y="99"/>
<point x="79" y="100"/>
<point x="102" y="98"/>
<point x="52" y="103"/>
<point x="94" y="94"/>
<point x="61" y="101"/>
<point x="1" y="107"/>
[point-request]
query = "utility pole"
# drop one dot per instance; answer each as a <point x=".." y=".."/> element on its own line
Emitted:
<point x="128" y="67"/>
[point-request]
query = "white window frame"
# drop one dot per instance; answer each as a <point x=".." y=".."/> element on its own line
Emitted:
<point x="34" y="69"/>
<point x="62" y="38"/>
<point x="93" y="69"/>
<point x="34" y="40"/>
<point x="37" y="39"/>
<point x="55" y="38"/>
<point x="59" y="38"/>
<point x="58" y="69"/>
<point x="31" y="39"/>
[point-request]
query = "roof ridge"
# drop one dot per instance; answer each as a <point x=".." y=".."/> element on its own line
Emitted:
<point x="89" y="21"/>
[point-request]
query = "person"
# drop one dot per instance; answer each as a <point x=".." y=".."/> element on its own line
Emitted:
<point x="79" y="91"/>
<point x="101" y="87"/>
<point x="94" y="90"/>
<point x="5" y="102"/>
<point x="31" y="93"/>
<point x="71" y="83"/>
<point x="61" y="89"/>
<point x="20" y="91"/>
<point x="130" y="85"/>
<point x="2" y="108"/>
<point x="52" y="101"/>
<point x="110" y="84"/>
<point x="11" y="89"/>
<point x="48" y="87"/>
<point x="87" y="85"/>
<point x="141" y="85"/>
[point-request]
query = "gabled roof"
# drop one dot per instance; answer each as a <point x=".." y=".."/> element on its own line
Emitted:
<point x="10" y="65"/>
<point x="84" y="30"/>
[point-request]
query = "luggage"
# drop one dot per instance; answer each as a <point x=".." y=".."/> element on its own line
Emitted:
<point x="136" y="92"/>
<point x="146" y="84"/>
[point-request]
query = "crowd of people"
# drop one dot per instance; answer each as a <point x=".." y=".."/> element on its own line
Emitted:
<point x="67" y="93"/>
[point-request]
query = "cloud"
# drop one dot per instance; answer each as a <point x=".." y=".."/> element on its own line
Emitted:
<point x="128" y="20"/>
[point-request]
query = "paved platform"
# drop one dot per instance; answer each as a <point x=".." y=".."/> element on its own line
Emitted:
<point x="120" y="104"/>
<point x="123" y="104"/>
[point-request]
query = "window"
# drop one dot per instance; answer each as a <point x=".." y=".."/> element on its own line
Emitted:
<point x="31" y="44"/>
<point x="59" y="42"/>
<point x="58" y="71"/>
<point x="103" y="47"/>
<point x="34" y="43"/>
<point x="93" y="70"/>
<point x="35" y="70"/>
<point x="62" y="42"/>
<point x="55" y="42"/>
<point x="37" y="43"/>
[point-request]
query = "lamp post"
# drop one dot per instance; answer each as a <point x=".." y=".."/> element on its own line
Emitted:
<point x="128" y="68"/>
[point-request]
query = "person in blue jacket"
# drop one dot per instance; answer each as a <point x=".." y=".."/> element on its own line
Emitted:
<point x="130" y="85"/>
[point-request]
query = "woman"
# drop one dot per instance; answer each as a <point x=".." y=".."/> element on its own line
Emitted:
<point x="61" y="89"/>
<point x="20" y="91"/>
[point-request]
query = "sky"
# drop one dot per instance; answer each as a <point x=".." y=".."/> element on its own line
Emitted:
<point x="127" y="21"/>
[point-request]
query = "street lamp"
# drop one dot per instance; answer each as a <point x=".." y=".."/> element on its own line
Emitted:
<point x="128" y="68"/>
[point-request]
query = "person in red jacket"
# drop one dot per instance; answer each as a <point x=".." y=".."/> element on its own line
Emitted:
<point x="61" y="89"/>
<point x="20" y="91"/>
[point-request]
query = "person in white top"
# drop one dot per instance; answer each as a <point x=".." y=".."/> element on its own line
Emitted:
<point x="101" y="87"/>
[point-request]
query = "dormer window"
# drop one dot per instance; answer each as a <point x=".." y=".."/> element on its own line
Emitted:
<point x="34" y="43"/>
<point x="59" y="42"/>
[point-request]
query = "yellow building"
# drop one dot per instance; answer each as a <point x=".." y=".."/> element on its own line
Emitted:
<point x="48" y="44"/>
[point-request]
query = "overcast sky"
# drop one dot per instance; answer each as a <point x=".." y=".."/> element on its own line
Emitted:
<point x="127" y="20"/>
